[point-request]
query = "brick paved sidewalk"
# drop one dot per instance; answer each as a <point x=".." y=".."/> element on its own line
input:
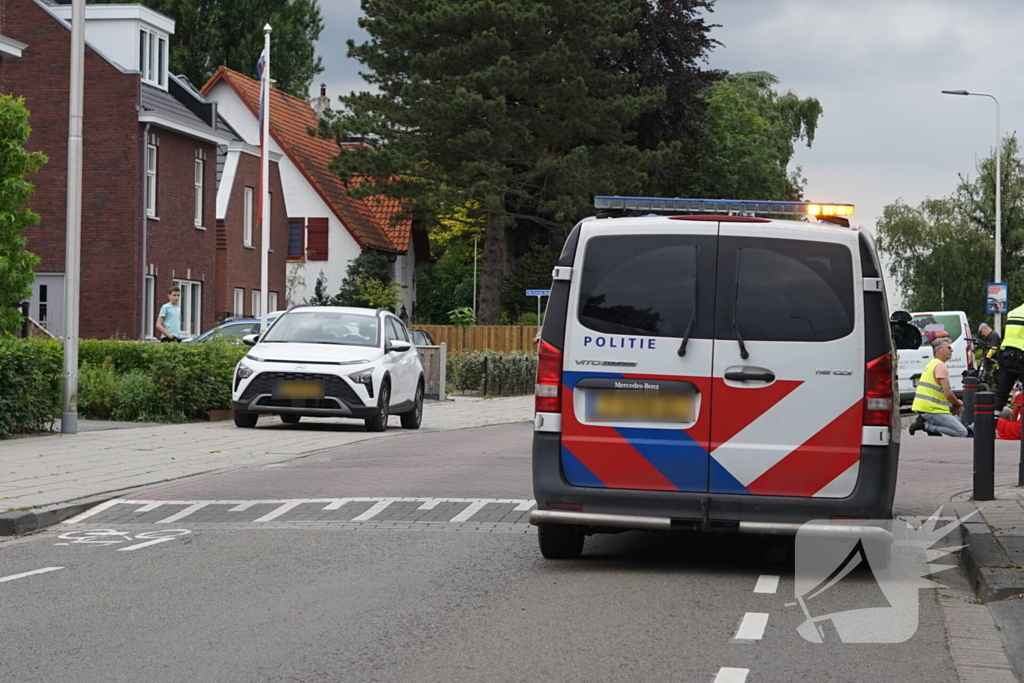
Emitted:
<point x="47" y="470"/>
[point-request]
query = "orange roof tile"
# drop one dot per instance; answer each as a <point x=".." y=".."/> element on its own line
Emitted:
<point x="370" y="220"/>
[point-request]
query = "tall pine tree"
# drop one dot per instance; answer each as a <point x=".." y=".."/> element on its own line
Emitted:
<point x="510" y="105"/>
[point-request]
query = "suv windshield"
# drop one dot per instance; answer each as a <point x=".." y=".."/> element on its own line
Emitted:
<point x="324" y="327"/>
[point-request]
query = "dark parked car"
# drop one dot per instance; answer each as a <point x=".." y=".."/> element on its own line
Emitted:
<point x="421" y="338"/>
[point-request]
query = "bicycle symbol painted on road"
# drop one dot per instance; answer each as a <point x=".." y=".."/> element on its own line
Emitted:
<point x="113" y="537"/>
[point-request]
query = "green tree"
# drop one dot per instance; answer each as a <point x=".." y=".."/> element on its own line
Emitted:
<point x="940" y="253"/>
<point x="446" y="284"/>
<point x="320" y="296"/>
<point x="16" y="263"/>
<point x="511" y="106"/>
<point x="212" y="33"/>
<point x="673" y="41"/>
<point x="368" y="266"/>
<point x="751" y="135"/>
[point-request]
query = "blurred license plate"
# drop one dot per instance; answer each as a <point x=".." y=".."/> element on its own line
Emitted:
<point x="299" y="389"/>
<point x="639" y="406"/>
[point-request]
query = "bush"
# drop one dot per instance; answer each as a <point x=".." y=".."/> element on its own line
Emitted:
<point x="492" y="373"/>
<point x="97" y="391"/>
<point x="130" y="380"/>
<point x="30" y="384"/>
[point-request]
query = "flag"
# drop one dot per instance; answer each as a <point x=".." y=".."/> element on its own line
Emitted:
<point x="260" y="64"/>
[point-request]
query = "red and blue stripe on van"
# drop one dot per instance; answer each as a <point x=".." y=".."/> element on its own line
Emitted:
<point x="683" y="460"/>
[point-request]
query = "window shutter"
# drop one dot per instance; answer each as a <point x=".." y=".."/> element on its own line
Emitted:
<point x="317" y="236"/>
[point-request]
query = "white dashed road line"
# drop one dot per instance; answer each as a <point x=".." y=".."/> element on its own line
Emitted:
<point x="12" y="577"/>
<point x="183" y="513"/>
<point x="728" y="674"/>
<point x="766" y="584"/>
<point x="93" y="511"/>
<point x="752" y="627"/>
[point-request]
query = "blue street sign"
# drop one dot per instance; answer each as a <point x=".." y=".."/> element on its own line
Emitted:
<point x="538" y="292"/>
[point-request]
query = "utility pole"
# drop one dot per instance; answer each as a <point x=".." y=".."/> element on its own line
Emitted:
<point x="69" y="412"/>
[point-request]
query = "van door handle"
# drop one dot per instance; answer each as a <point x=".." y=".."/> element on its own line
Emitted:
<point x="750" y="376"/>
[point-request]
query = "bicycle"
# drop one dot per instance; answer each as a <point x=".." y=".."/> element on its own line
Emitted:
<point x="985" y="372"/>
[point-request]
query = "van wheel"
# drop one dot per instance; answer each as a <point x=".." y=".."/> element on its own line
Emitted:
<point x="560" y="541"/>
<point x="379" y="422"/>
<point x="246" y="420"/>
<point x="412" y="419"/>
<point x="291" y="419"/>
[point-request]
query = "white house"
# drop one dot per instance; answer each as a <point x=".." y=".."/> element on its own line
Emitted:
<point x="327" y="228"/>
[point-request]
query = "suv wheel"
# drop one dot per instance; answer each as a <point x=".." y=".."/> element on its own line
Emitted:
<point x="379" y="422"/>
<point x="412" y="419"/>
<point x="560" y="541"/>
<point x="291" y="419"/>
<point x="246" y="420"/>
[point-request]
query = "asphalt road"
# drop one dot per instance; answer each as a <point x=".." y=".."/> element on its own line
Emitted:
<point x="395" y="599"/>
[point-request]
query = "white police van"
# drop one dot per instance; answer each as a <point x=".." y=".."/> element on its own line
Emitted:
<point x="714" y="373"/>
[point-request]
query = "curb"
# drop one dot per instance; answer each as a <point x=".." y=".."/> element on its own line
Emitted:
<point x="27" y="521"/>
<point x="987" y="565"/>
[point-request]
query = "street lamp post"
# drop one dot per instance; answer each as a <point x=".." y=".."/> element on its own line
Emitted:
<point x="999" y="193"/>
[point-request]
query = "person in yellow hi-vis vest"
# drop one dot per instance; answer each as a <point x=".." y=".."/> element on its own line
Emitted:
<point x="1010" y="357"/>
<point x="934" y="400"/>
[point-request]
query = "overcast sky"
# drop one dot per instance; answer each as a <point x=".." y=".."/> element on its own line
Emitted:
<point x="877" y="67"/>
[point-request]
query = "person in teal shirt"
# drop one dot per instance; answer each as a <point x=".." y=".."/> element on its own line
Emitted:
<point x="168" y="325"/>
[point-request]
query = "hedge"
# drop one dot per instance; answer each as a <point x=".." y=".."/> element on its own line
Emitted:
<point x="492" y="373"/>
<point x="30" y="384"/>
<point x="134" y="380"/>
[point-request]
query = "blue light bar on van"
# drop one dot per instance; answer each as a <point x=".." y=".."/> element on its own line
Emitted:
<point x="742" y="207"/>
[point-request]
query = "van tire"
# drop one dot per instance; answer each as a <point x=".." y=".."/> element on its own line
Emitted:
<point x="246" y="420"/>
<point x="560" y="541"/>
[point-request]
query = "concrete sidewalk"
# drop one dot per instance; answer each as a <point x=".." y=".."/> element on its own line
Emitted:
<point x="48" y="470"/>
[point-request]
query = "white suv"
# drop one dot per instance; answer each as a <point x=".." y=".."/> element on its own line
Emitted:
<point x="329" y="361"/>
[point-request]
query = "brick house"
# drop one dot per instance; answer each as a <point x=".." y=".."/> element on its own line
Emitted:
<point x="327" y="228"/>
<point x="154" y="150"/>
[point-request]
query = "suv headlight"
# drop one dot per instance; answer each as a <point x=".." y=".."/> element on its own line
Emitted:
<point x="244" y="371"/>
<point x="364" y="377"/>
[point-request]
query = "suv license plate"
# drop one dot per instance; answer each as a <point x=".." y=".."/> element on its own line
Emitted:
<point x="299" y="389"/>
<point x="638" y="406"/>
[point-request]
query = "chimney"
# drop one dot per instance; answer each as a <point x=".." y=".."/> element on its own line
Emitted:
<point x="322" y="103"/>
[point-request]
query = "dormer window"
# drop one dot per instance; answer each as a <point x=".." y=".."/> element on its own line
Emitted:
<point x="153" y="57"/>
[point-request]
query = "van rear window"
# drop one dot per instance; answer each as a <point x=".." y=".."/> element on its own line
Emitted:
<point x="785" y="290"/>
<point x="935" y="326"/>
<point x="653" y="285"/>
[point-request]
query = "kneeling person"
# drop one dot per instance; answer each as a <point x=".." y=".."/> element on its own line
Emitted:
<point x="935" y="401"/>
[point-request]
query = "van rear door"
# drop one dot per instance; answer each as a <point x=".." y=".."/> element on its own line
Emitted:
<point x="637" y="359"/>
<point x="789" y="367"/>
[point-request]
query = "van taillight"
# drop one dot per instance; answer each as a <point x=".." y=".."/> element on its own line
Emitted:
<point x="549" y="379"/>
<point x="878" y="392"/>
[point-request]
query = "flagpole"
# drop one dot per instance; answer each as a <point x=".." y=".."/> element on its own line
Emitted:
<point x="264" y="178"/>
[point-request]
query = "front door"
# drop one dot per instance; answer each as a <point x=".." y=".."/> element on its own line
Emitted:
<point x="636" y="410"/>
<point x="789" y="366"/>
<point x="47" y="303"/>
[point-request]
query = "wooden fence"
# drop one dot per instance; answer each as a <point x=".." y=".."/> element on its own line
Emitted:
<point x="504" y="338"/>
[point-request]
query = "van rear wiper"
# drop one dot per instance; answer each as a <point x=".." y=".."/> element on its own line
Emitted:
<point x="735" y="301"/>
<point x="693" y="317"/>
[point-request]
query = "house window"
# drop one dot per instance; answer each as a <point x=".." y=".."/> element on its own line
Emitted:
<point x="247" y="218"/>
<point x="256" y="312"/>
<point x="271" y="302"/>
<point x="43" y="304"/>
<point x="199" y="193"/>
<point x="317" y="235"/>
<point x="296" y="235"/>
<point x="151" y="180"/>
<point x="153" y="57"/>
<point x="147" y="307"/>
<point x="191" y="307"/>
<point x="239" y="307"/>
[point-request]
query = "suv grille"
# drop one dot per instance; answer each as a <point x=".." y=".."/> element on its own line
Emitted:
<point x="334" y="387"/>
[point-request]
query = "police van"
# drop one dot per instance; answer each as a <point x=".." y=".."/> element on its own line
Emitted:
<point x="705" y="369"/>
